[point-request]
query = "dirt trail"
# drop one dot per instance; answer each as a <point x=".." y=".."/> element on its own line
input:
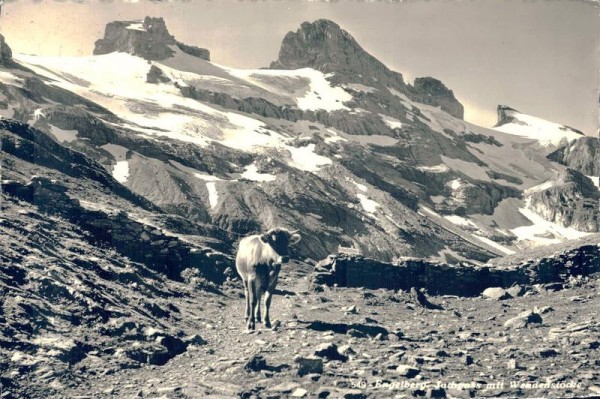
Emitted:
<point x="382" y="337"/>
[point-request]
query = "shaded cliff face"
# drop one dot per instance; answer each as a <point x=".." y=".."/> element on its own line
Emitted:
<point x="434" y="90"/>
<point x="323" y="45"/>
<point x="5" y="52"/>
<point x="583" y="155"/>
<point x="149" y="39"/>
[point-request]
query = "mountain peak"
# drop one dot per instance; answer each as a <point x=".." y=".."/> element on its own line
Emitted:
<point x="547" y="133"/>
<point x="323" y="45"/>
<point x="149" y="39"/>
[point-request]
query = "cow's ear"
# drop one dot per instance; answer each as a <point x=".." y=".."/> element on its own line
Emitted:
<point x="264" y="238"/>
<point x="295" y="238"/>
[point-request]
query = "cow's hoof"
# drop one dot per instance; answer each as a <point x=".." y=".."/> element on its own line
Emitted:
<point x="267" y="324"/>
<point x="258" y="320"/>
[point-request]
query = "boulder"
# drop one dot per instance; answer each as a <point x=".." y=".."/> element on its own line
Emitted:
<point x="496" y="293"/>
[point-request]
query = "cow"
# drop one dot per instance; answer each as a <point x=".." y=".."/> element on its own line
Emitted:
<point x="258" y="262"/>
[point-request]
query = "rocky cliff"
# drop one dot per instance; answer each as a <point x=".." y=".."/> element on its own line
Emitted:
<point x="149" y="39"/>
<point x="583" y="155"/>
<point x="573" y="201"/>
<point x="325" y="46"/>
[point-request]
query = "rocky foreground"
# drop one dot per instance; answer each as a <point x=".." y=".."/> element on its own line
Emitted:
<point x="527" y="341"/>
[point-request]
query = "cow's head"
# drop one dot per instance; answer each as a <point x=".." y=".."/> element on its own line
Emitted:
<point x="280" y="240"/>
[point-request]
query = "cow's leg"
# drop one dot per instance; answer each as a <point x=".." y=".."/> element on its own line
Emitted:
<point x="268" y="297"/>
<point x="253" y="301"/>
<point x="273" y="277"/>
<point x="258" y="298"/>
<point x="247" y="300"/>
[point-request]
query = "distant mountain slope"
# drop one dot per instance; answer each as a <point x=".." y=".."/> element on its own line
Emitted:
<point x="341" y="148"/>
<point x="546" y="133"/>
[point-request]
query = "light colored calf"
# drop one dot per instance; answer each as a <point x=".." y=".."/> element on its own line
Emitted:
<point x="258" y="263"/>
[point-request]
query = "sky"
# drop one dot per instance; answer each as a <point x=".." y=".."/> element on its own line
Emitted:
<point x="540" y="57"/>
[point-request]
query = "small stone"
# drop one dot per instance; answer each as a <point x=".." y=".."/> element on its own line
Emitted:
<point x="523" y="320"/>
<point x="547" y="352"/>
<point x="284" y="387"/>
<point x="351" y="309"/>
<point x="256" y="363"/>
<point x="330" y="352"/>
<point x="516" y="291"/>
<point x="544" y="309"/>
<point x="496" y="293"/>
<point x="346" y="350"/>
<point x="323" y="393"/>
<point x="407" y="371"/>
<point x="512" y="364"/>
<point x="435" y="393"/>
<point x="468" y="360"/>
<point x="299" y="393"/>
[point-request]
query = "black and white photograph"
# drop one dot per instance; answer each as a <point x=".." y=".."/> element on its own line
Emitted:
<point x="264" y="199"/>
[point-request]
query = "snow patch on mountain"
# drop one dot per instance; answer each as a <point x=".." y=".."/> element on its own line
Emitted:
<point x="460" y="221"/>
<point x="391" y="122"/>
<point x="546" y="133"/>
<point x="441" y="168"/>
<point x="136" y="26"/>
<point x="213" y="195"/>
<point x="595" y="180"/>
<point x="494" y="244"/>
<point x="319" y="94"/>
<point x="121" y="171"/>
<point x="543" y="232"/>
<point x="368" y="204"/>
<point x="305" y="158"/>
<point x="251" y="173"/>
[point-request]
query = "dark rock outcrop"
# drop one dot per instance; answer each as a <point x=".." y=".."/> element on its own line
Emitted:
<point x="583" y="155"/>
<point x="436" y="93"/>
<point x="149" y="39"/>
<point x="5" y="53"/>
<point x="504" y="115"/>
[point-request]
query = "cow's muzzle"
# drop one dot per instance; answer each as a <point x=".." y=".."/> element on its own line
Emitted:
<point x="283" y="259"/>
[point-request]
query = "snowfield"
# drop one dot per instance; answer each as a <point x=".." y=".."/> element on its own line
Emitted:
<point x="547" y="133"/>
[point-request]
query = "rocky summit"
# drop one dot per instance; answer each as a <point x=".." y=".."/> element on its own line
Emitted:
<point x="431" y="248"/>
<point x="149" y="39"/>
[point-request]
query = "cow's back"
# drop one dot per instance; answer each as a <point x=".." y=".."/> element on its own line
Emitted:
<point x="252" y="252"/>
